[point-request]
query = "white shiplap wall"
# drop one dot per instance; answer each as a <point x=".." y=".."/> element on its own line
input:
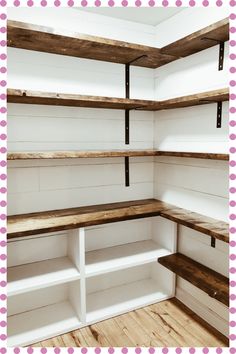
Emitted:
<point x="197" y="185"/>
<point x="60" y="184"/>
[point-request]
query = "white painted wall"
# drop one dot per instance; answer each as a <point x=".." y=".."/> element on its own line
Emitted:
<point x="43" y="185"/>
<point x="197" y="185"/>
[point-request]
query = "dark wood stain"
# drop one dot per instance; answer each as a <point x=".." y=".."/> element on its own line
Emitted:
<point x="206" y="279"/>
<point x="111" y="153"/>
<point x="72" y="218"/>
<point x="198" y="41"/>
<point x="46" y="39"/>
<point x="74" y="100"/>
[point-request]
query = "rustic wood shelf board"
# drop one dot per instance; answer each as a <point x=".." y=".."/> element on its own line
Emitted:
<point x="46" y="39"/>
<point x="206" y="279"/>
<point x="194" y="155"/>
<point x="191" y="100"/>
<point x="110" y="153"/>
<point x="197" y="41"/>
<point x="78" y="154"/>
<point x="209" y="226"/>
<point x="74" y="100"/>
<point x="66" y="219"/>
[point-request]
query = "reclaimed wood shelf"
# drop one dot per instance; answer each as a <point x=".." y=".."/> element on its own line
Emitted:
<point x="194" y="155"/>
<point x="200" y="40"/>
<point x="45" y="39"/>
<point x="197" y="99"/>
<point x="63" y="99"/>
<point x="72" y="218"/>
<point x="78" y="154"/>
<point x="206" y="279"/>
<point x="74" y="100"/>
<point x="24" y="155"/>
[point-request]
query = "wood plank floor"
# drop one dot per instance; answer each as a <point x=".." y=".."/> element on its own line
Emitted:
<point x="168" y="323"/>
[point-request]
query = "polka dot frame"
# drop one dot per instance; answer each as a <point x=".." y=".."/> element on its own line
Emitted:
<point x="3" y="173"/>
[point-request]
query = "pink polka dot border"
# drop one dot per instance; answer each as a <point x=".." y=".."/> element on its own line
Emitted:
<point x="3" y="173"/>
<point x="3" y="180"/>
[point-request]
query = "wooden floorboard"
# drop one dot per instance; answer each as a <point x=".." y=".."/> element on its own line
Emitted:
<point x="167" y="323"/>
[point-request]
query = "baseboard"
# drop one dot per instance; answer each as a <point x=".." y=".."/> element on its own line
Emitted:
<point x="203" y="311"/>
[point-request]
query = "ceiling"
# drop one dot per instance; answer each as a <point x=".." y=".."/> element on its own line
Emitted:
<point x="146" y="15"/>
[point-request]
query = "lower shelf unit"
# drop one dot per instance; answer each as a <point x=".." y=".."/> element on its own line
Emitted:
<point x="84" y="282"/>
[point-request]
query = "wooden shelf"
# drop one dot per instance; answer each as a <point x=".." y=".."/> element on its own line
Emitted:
<point x="197" y="99"/>
<point x="42" y="323"/>
<point x="123" y="256"/>
<point x="206" y="279"/>
<point x="41" y="274"/>
<point x="204" y="224"/>
<point x="78" y="154"/>
<point x="46" y="39"/>
<point x="197" y="41"/>
<point x="66" y="219"/>
<point x="63" y="99"/>
<point x="112" y="153"/>
<point x="194" y="155"/>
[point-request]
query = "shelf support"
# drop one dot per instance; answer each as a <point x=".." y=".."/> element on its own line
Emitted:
<point x="127" y="95"/>
<point x="213" y="242"/>
<point x="127" y="184"/>
<point x="221" y="51"/>
<point x="219" y="112"/>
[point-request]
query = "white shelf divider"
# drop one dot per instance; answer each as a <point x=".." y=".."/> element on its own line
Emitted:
<point x="76" y="252"/>
<point x="41" y="274"/>
<point x="123" y="256"/>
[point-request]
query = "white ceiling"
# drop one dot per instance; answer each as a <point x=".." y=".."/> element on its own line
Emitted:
<point x="147" y="15"/>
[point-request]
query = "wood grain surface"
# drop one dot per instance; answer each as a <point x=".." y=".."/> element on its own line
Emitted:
<point x="165" y="324"/>
<point x="63" y="99"/>
<point x="64" y="42"/>
<point x="66" y="219"/>
<point x="206" y="279"/>
<point x="197" y="41"/>
<point x="74" y="100"/>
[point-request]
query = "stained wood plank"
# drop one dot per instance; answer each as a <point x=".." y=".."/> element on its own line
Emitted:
<point x="194" y="155"/>
<point x="206" y="279"/>
<point x="78" y="154"/>
<point x="111" y="153"/>
<point x="63" y="99"/>
<point x="46" y="39"/>
<point x="209" y="226"/>
<point x="158" y="325"/>
<point x="66" y="219"/>
<point x="74" y="100"/>
<point x="207" y="97"/>
<point x="199" y="40"/>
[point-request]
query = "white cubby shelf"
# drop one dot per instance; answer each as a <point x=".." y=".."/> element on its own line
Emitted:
<point x="83" y="276"/>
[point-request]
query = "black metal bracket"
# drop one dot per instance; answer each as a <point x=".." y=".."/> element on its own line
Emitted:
<point x="221" y="51"/>
<point x="219" y="112"/>
<point x="219" y="115"/>
<point x="127" y="95"/>
<point x="213" y="242"/>
<point x="127" y="120"/>
<point x="127" y="171"/>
